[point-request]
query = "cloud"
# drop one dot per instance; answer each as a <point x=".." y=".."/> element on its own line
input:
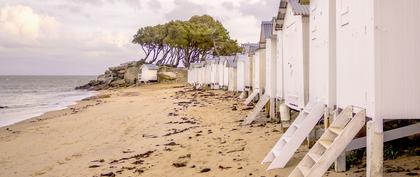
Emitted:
<point x="184" y="9"/>
<point x="21" y="27"/>
<point x="88" y="36"/>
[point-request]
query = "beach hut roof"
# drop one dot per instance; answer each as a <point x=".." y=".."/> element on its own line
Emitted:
<point x="266" y="30"/>
<point x="150" y="66"/>
<point x="300" y="9"/>
<point x="232" y="62"/>
<point x="250" y="47"/>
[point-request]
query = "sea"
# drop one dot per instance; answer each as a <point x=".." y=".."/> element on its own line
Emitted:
<point x="24" y="97"/>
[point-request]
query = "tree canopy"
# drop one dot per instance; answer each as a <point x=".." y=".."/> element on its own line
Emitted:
<point x="185" y="42"/>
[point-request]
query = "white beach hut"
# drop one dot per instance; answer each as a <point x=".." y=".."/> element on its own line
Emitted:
<point x="214" y="77"/>
<point x="148" y="73"/>
<point x="241" y="72"/>
<point x="220" y="71"/>
<point x="296" y="54"/>
<point x="267" y="58"/>
<point x="292" y="23"/>
<point x="193" y="73"/>
<point x="232" y="67"/>
<point x="225" y="72"/>
<point x="247" y="58"/>
<point x="377" y="67"/>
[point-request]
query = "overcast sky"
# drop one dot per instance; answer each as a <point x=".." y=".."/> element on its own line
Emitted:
<point x="84" y="37"/>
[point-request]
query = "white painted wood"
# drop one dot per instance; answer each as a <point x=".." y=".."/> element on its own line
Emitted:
<point x="232" y="82"/>
<point x="322" y="61"/>
<point x="262" y="70"/>
<point x="256" y="71"/>
<point x="388" y="136"/>
<point x="220" y="70"/>
<point x="257" y="109"/>
<point x="296" y="56"/>
<point x="226" y="74"/>
<point x="148" y="73"/>
<point x="377" y="44"/>
<point x="330" y="146"/>
<point x="251" y="96"/>
<point x="290" y="141"/>
<point x="279" y="66"/>
<point x="241" y="70"/>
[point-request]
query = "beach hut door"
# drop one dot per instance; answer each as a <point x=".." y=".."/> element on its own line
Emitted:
<point x="291" y="71"/>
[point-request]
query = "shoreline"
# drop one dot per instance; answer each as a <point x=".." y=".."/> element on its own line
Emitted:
<point x="40" y="112"/>
<point x="152" y="130"/>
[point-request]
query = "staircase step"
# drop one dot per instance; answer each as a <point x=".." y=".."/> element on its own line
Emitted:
<point x="325" y="143"/>
<point x="314" y="156"/>
<point x="336" y="130"/>
<point x="305" y="170"/>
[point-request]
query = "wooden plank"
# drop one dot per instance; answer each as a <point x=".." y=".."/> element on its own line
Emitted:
<point x="388" y="136"/>
<point x="257" y="109"/>
<point x="251" y="97"/>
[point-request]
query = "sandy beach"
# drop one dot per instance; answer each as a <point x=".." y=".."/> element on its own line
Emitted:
<point x="153" y="130"/>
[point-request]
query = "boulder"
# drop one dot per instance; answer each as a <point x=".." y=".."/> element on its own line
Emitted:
<point x="118" y="83"/>
<point x="131" y="75"/>
<point x="166" y="76"/>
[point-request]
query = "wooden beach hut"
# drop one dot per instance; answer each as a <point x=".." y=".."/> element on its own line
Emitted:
<point x="225" y="72"/>
<point x="220" y="71"/>
<point x="278" y="24"/>
<point x="369" y="76"/>
<point x="241" y="72"/>
<point x="255" y="76"/>
<point x="232" y="64"/>
<point x="193" y="73"/>
<point x="292" y="23"/>
<point x="214" y="78"/>
<point x="148" y="73"/>
<point x="296" y="54"/>
<point x="249" y="51"/>
<point x="260" y="73"/>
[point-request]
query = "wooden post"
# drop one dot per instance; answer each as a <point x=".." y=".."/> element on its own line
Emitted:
<point x="273" y="109"/>
<point x="374" y="149"/>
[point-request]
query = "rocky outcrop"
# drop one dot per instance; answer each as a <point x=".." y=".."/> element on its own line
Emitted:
<point x="121" y="76"/>
<point x="167" y="76"/>
<point x="172" y="75"/>
<point x="126" y="75"/>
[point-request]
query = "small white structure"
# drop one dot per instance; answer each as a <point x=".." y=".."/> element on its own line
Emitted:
<point x="265" y="66"/>
<point x="241" y="72"/>
<point x="193" y="73"/>
<point x="361" y="63"/>
<point x="232" y="64"/>
<point x="296" y="54"/>
<point x="148" y="73"/>
<point x="377" y="51"/>
<point x="225" y="71"/>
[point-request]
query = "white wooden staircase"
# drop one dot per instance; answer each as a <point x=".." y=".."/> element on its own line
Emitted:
<point x="290" y="141"/>
<point x="251" y="97"/>
<point x="257" y="109"/>
<point x="331" y="144"/>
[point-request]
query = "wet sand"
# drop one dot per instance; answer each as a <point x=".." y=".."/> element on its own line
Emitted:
<point x="154" y="130"/>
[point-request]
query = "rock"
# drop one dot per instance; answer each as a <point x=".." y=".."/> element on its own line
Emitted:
<point x="110" y="174"/>
<point x="179" y="164"/>
<point x="131" y="75"/>
<point x="118" y="83"/>
<point x="205" y="170"/>
<point x="168" y="76"/>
